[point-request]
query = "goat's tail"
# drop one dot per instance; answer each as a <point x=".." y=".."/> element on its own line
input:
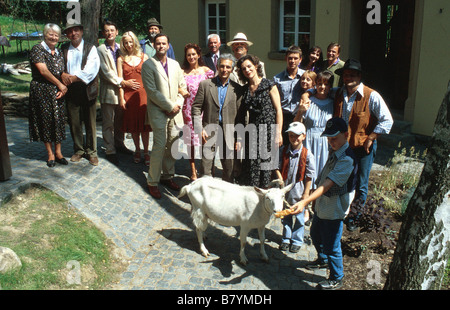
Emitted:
<point x="184" y="190"/>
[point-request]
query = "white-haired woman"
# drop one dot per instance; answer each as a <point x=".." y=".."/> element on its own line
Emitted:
<point x="46" y="102"/>
<point x="133" y="101"/>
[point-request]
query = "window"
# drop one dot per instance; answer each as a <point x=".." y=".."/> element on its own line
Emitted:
<point x="295" y="18"/>
<point x="216" y="20"/>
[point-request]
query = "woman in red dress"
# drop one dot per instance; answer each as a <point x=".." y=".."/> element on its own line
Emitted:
<point x="133" y="101"/>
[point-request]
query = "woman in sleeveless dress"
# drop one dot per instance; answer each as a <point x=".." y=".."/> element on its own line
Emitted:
<point x="262" y="101"/>
<point x="134" y="102"/>
<point x="194" y="72"/>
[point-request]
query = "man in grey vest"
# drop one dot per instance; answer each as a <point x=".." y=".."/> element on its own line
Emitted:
<point x="82" y="66"/>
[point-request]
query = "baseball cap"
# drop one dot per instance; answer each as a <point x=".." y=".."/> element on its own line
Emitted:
<point x="297" y="128"/>
<point x="334" y="126"/>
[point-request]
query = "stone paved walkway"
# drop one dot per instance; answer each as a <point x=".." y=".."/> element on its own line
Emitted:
<point x="157" y="236"/>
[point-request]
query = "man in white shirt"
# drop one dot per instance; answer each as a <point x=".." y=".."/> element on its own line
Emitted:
<point x="82" y="66"/>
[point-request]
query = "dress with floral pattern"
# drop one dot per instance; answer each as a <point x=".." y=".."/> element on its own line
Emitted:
<point x="192" y="83"/>
<point x="260" y="154"/>
<point x="47" y="115"/>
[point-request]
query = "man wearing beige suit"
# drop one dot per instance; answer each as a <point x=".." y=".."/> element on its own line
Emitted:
<point x="162" y="78"/>
<point x="219" y="100"/>
<point x="110" y="82"/>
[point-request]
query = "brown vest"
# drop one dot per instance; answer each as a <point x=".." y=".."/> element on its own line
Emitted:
<point x="301" y="164"/>
<point x="361" y="123"/>
<point x="92" y="87"/>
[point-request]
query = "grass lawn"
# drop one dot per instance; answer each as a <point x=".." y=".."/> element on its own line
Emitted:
<point x="59" y="248"/>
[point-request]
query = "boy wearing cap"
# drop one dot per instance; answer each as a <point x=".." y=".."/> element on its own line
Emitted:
<point x="296" y="166"/>
<point x="334" y="193"/>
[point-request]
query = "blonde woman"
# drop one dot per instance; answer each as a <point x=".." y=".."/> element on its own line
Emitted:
<point x="133" y="101"/>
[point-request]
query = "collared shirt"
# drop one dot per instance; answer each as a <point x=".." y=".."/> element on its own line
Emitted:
<point x="222" y="91"/>
<point x="338" y="169"/>
<point x="74" y="58"/>
<point x="290" y="90"/>
<point x="48" y="48"/>
<point x="377" y="107"/>
<point x="295" y="194"/>
<point x="114" y="52"/>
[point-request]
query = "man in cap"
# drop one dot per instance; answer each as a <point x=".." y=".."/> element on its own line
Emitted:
<point x="82" y="66"/>
<point x="147" y="44"/>
<point x="239" y="46"/>
<point x="367" y="116"/>
<point x="334" y="193"/>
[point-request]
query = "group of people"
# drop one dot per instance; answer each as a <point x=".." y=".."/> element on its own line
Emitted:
<point x="314" y="124"/>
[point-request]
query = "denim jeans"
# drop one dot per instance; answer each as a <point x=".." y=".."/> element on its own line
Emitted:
<point x="294" y="232"/>
<point x="326" y="237"/>
<point x="365" y="162"/>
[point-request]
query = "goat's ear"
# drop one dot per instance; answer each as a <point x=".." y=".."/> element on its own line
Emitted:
<point x="260" y="190"/>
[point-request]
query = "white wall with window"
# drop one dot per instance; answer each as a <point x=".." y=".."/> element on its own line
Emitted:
<point x="216" y="18"/>
<point x="295" y="24"/>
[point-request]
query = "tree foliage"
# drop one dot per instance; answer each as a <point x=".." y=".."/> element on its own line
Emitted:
<point x="127" y="14"/>
<point x="130" y="15"/>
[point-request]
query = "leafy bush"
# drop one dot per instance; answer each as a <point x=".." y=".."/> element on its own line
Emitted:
<point x="373" y="217"/>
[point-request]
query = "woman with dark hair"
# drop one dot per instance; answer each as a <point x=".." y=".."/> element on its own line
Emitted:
<point x="262" y="101"/>
<point x="313" y="61"/>
<point x="195" y="71"/>
<point x="47" y="108"/>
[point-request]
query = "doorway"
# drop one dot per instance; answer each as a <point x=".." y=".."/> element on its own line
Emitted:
<point x="386" y="51"/>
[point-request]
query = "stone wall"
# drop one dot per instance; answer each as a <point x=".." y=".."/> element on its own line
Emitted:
<point x="17" y="105"/>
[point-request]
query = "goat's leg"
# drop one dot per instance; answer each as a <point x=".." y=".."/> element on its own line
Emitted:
<point x="203" y="249"/>
<point x="262" y="239"/>
<point x="243" y="239"/>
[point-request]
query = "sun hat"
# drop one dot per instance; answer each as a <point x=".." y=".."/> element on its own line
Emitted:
<point x="240" y="38"/>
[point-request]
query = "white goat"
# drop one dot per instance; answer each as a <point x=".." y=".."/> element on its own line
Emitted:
<point x="232" y="205"/>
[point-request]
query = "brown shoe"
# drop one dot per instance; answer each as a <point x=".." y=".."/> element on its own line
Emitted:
<point x="76" y="157"/>
<point x="93" y="160"/>
<point x="170" y="184"/>
<point x="154" y="191"/>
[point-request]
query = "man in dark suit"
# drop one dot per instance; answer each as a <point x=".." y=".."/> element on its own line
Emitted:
<point x="212" y="57"/>
<point x="219" y="99"/>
